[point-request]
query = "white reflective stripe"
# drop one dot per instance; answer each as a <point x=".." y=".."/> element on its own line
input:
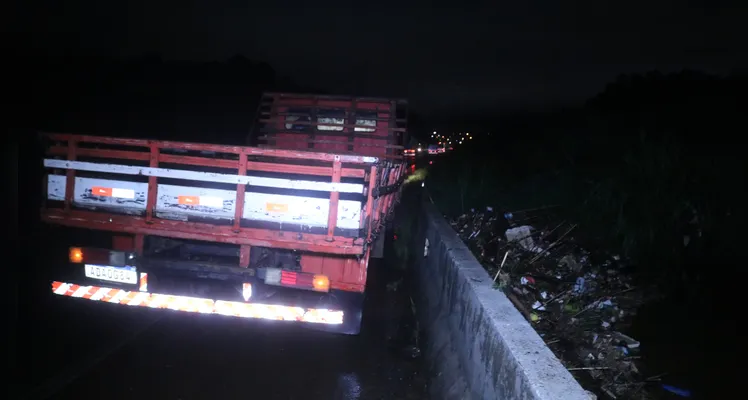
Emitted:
<point x="63" y="288"/>
<point x="211" y="201"/>
<point x="242" y="311"/>
<point x="118" y="296"/>
<point x="202" y="305"/>
<point x="139" y="298"/>
<point x="178" y="303"/>
<point x="81" y="291"/>
<point x="158" y="299"/>
<point x="223" y="308"/>
<point x="264" y="312"/>
<point x="123" y="193"/>
<point x="99" y="294"/>
<point x="205" y="306"/>
<point x="205" y="176"/>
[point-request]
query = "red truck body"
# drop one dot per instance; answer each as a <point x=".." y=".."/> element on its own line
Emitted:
<point x="206" y="228"/>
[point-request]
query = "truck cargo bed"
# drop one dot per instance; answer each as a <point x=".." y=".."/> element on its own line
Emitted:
<point x="231" y="194"/>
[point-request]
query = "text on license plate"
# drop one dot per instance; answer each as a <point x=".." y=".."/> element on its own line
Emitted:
<point x="114" y="274"/>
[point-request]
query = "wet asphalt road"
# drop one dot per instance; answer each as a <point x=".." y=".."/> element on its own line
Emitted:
<point x="79" y="349"/>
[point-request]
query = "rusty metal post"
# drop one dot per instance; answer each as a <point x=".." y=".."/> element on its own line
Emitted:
<point x="370" y="201"/>
<point x="313" y="118"/>
<point x="244" y="252"/>
<point x="332" y="215"/>
<point x="70" y="175"/>
<point x="389" y="198"/>
<point x="152" y="184"/>
<point x="240" y="189"/>
<point x="351" y="120"/>
<point x="139" y="243"/>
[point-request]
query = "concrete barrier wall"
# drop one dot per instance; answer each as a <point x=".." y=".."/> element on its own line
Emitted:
<point x="477" y="345"/>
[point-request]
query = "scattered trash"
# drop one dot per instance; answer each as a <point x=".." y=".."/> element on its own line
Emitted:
<point x="523" y="236"/>
<point x="538" y="306"/>
<point x="579" y="286"/>
<point x="570" y="262"/>
<point x="627" y="340"/>
<point x="603" y="304"/>
<point x="579" y="301"/>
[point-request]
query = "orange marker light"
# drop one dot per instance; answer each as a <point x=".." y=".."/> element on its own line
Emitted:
<point x="189" y="200"/>
<point x="321" y="283"/>
<point x="76" y="255"/>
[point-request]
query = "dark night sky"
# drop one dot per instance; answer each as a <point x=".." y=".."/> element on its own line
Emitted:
<point x="509" y="55"/>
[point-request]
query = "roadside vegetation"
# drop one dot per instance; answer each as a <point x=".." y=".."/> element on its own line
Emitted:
<point x="649" y="161"/>
<point x="649" y="172"/>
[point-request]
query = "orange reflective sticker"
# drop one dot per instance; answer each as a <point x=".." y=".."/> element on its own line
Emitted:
<point x="189" y="200"/>
<point x="101" y="191"/>
<point x="276" y="207"/>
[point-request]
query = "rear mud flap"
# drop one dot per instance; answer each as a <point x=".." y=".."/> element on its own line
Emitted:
<point x="377" y="248"/>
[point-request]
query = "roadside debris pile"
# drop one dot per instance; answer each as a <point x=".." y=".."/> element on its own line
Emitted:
<point x="579" y="302"/>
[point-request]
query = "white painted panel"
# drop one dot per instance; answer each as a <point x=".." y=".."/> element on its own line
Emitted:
<point x="349" y="214"/>
<point x="123" y="193"/>
<point x="83" y="195"/>
<point x="299" y="210"/>
<point x="366" y="122"/>
<point x="287" y="209"/>
<point x="206" y="176"/>
<point x="56" y="187"/>
<point x="324" y="120"/>
<point x="167" y="202"/>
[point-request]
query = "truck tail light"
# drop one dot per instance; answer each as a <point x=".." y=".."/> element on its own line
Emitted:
<point x="299" y="280"/>
<point x="288" y="278"/>
<point x="76" y="255"/>
<point x="273" y="276"/>
<point x="96" y="256"/>
<point x="321" y="283"/>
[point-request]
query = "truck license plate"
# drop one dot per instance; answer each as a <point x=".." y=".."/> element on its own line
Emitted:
<point x="113" y="274"/>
